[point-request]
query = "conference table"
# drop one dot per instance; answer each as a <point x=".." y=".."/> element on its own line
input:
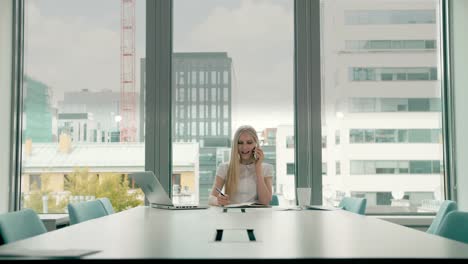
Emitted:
<point x="252" y="233"/>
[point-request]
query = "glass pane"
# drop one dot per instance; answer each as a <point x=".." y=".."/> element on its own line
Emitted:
<point x="242" y="51"/>
<point x="357" y="167"/>
<point x="418" y="105"/>
<point x="290" y="142"/>
<point x="393" y="104"/>
<point x="362" y="105"/>
<point x="419" y="135"/>
<point x="392" y="94"/>
<point x="403" y="167"/>
<point x="430" y="44"/>
<point x="369" y="136"/>
<point x="386" y="167"/>
<point x="402" y="136"/>
<point x="380" y="44"/>
<point x="385" y="135"/>
<point x="421" y="167"/>
<point x="290" y="170"/>
<point x="83" y="104"/>
<point x="356" y="136"/>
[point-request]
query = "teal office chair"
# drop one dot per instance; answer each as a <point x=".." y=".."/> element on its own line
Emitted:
<point x="353" y="204"/>
<point x="454" y="226"/>
<point x="20" y="225"/>
<point x="84" y="211"/>
<point x="107" y="205"/>
<point x="446" y="207"/>
<point x="274" y="200"/>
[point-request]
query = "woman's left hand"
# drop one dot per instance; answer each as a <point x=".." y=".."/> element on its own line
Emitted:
<point x="260" y="155"/>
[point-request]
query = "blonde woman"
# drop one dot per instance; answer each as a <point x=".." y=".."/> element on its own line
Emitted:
<point x="245" y="177"/>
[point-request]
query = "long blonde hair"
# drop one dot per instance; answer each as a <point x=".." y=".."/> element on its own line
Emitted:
<point x="232" y="178"/>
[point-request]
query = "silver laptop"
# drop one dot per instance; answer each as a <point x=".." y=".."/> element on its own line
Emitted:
<point x="155" y="193"/>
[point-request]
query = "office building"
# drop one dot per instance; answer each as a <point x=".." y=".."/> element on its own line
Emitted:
<point x="102" y="105"/>
<point x="381" y="134"/>
<point x="37" y="115"/>
<point x="202" y="109"/>
<point x="201" y="99"/>
<point x="81" y="127"/>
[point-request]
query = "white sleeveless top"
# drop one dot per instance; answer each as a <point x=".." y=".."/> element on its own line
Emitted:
<point x="247" y="188"/>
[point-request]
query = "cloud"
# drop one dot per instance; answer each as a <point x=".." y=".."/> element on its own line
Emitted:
<point x="69" y="54"/>
<point x="259" y="37"/>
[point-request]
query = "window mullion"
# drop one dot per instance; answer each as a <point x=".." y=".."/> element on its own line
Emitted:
<point x="308" y="98"/>
<point x="158" y="143"/>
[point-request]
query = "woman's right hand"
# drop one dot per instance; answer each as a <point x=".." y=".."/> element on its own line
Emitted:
<point x="223" y="200"/>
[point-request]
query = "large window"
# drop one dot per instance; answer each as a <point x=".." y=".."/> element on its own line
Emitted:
<point x="83" y="119"/>
<point x="387" y="104"/>
<point x="228" y="58"/>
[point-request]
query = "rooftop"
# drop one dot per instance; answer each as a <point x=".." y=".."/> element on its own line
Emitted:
<point x="102" y="157"/>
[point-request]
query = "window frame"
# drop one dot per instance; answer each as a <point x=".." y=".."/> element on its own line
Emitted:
<point x="307" y="96"/>
<point x="307" y="90"/>
<point x="16" y="118"/>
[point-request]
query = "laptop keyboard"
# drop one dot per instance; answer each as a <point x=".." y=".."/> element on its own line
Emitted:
<point x="185" y="206"/>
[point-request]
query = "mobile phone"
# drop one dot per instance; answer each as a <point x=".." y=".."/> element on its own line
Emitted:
<point x="255" y="153"/>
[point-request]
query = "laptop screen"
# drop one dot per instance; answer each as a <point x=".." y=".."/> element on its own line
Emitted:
<point x="151" y="187"/>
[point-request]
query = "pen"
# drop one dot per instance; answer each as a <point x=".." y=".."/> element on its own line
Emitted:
<point x="219" y="191"/>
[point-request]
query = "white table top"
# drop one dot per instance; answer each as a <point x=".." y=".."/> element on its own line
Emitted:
<point x="144" y="232"/>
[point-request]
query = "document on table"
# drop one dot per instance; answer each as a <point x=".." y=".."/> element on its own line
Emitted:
<point x="49" y="253"/>
<point x="321" y="207"/>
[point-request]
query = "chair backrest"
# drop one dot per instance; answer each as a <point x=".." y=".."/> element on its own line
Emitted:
<point x="353" y="204"/>
<point x="80" y="212"/>
<point x="274" y="200"/>
<point x="446" y="207"/>
<point x="20" y="225"/>
<point x="454" y="226"/>
<point x="107" y="205"/>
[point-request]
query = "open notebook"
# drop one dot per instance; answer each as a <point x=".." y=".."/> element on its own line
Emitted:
<point x="321" y="207"/>
<point x="247" y="205"/>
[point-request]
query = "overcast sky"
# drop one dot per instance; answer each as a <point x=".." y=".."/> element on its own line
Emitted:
<point x="73" y="45"/>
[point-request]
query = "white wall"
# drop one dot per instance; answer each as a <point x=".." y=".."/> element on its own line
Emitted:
<point x="5" y="104"/>
<point x="460" y="69"/>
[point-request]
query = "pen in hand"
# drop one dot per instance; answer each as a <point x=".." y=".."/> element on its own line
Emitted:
<point x="222" y="199"/>
<point x="220" y="192"/>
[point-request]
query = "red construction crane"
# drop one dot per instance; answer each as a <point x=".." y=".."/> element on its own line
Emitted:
<point x="127" y="72"/>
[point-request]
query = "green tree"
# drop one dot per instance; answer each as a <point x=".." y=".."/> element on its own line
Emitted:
<point x="114" y="186"/>
<point x="35" y="199"/>
<point x="81" y="182"/>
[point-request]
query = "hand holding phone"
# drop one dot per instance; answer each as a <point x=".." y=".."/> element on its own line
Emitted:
<point x="254" y="150"/>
